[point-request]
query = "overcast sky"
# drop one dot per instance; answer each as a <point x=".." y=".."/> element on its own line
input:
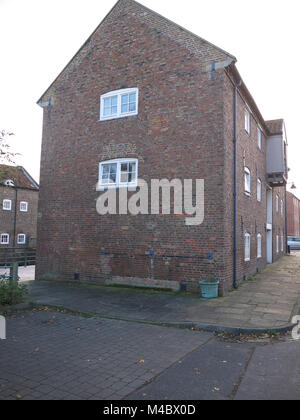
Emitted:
<point x="39" y="37"/>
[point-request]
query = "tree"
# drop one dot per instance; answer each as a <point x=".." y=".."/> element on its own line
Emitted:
<point x="5" y="154"/>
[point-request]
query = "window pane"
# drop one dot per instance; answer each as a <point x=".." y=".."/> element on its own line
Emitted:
<point x="132" y="107"/>
<point x="114" y="101"/>
<point x="113" y="168"/>
<point x="124" y="99"/>
<point x="107" y="102"/>
<point x="132" y="167"/>
<point x="124" y="177"/>
<point x="105" y="169"/>
<point x="106" y="112"/>
<point x="112" y="178"/>
<point x="124" y="167"/>
<point x="132" y="97"/>
<point x="124" y="108"/>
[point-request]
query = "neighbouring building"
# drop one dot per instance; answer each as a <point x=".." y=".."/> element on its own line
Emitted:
<point x="145" y="98"/>
<point x="293" y="215"/>
<point x="18" y="207"/>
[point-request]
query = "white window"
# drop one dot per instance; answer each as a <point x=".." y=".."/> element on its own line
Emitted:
<point x="247" y="246"/>
<point x="118" y="173"/>
<point x="23" y="206"/>
<point x="247" y="181"/>
<point x="259" y="138"/>
<point x="259" y="247"/>
<point x="258" y="189"/>
<point x="281" y="207"/>
<point x="247" y="121"/>
<point x="118" y="104"/>
<point x="282" y="240"/>
<point x="277" y="243"/>
<point x="6" y="204"/>
<point x="4" y="239"/>
<point x="277" y="204"/>
<point x="21" y="238"/>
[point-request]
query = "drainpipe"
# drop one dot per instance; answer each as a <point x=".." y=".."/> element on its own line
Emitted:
<point x="235" y="188"/>
<point x="15" y="217"/>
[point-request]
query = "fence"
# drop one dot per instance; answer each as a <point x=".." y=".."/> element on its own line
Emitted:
<point x="20" y="256"/>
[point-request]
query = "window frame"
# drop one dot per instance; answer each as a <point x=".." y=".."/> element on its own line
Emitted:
<point x="6" y="200"/>
<point x="247" y="172"/>
<point x="259" y="138"/>
<point x="18" y="240"/>
<point x="259" y="245"/>
<point x="118" y="184"/>
<point x="24" y="202"/>
<point x="119" y="93"/>
<point x="1" y="236"/>
<point x="247" y="252"/>
<point x="247" y="121"/>
<point x="259" y="188"/>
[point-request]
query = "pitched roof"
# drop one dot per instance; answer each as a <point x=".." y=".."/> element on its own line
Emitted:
<point x="275" y="126"/>
<point x="19" y="176"/>
<point x="177" y="33"/>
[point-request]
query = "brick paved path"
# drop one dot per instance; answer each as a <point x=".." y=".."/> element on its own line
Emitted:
<point x="50" y="355"/>
<point x="267" y="301"/>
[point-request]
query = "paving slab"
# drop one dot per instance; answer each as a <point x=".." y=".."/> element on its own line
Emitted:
<point x="258" y="303"/>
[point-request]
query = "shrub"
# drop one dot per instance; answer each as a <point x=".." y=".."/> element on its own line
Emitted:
<point x="11" y="292"/>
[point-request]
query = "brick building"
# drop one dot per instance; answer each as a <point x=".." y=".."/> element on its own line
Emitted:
<point x="293" y="215"/>
<point x="145" y="98"/>
<point x="19" y="202"/>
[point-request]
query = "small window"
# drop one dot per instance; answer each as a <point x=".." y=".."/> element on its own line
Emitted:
<point x="259" y="247"/>
<point x="4" y="239"/>
<point x="247" y="121"/>
<point x="6" y="204"/>
<point x="21" y="238"/>
<point x="281" y="207"/>
<point x="282" y="241"/>
<point x="277" y="243"/>
<point x="118" y="173"/>
<point x="23" y="206"/>
<point x="247" y="181"/>
<point x="247" y="246"/>
<point x="277" y="204"/>
<point x="258" y="189"/>
<point x="118" y="104"/>
<point x="259" y="138"/>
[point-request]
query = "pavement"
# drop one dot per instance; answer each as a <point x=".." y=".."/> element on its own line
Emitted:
<point x="52" y="355"/>
<point x="266" y="302"/>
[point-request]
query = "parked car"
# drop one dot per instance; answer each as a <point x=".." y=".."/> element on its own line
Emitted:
<point x="293" y="243"/>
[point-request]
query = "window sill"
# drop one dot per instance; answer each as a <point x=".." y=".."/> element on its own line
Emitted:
<point x="116" y="117"/>
<point x="247" y="260"/>
<point x="115" y="187"/>
<point x="247" y="194"/>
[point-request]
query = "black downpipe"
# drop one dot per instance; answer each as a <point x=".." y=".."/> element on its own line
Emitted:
<point x="235" y="188"/>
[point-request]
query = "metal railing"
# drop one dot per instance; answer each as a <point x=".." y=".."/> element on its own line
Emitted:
<point x="20" y="256"/>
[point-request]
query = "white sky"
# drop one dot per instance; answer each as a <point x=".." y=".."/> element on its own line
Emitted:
<point x="39" y="37"/>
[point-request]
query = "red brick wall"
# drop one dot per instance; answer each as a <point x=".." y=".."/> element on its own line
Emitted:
<point x="293" y="215"/>
<point x="183" y="130"/>
<point x="251" y="214"/>
<point x="26" y="222"/>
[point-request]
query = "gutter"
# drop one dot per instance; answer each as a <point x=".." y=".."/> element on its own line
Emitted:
<point x="235" y="187"/>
